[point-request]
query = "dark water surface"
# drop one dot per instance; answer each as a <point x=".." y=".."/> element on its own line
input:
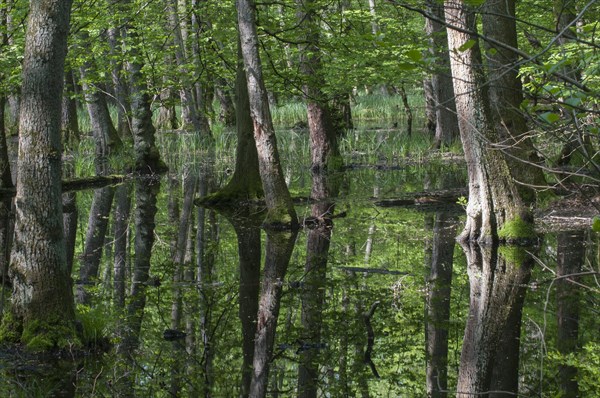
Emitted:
<point x="374" y="302"/>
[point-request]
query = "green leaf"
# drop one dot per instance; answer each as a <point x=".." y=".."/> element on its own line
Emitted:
<point x="550" y="117"/>
<point x="414" y="55"/>
<point x="469" y="44"/>
<point x="596" y="224"/>
<point x="573" y="101"/>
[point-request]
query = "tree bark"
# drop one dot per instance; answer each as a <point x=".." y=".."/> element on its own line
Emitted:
<point x="94" y="242"/>
<point x="279" y="247"/>
<point x="445" y="123"/>
<point x="437" y="305"/>
<point x="315" y="270"/>
<point x="493" y="196"/>
<point x="121" y="228"/>
<point x="279" y="202"/>
<point x="497" y="287"/>
<point x="189" y="118"/>
<point x="42" y="296"/>
<point x="570" y="255"/>
<point x="506" y="96"/>
<point x="323" y="138"/>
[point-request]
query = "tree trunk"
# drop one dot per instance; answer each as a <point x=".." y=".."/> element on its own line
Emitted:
<point x="445" y="123"/>
<point x="227" y="112"/>
<point x="437" y="304"/>
<point x="495" y="208"/>
<point x="323" y="138"/>
<point x="94" y="243"/>
<point x="570" y="255"/>
<point x="506" y="96"/>
<point x="249" y="244"/>
<point x="106" y="139"/>
<point x="279" y="247"/>
<point x="69" y="123"/>
<point x="42" y="296"/>
<point x="245" y="183"/>
<point x="279" y="202"/>
<point x="189" y="118"/>
<point x="146" y="155"/>
<point x="497" y="286"/>
<point x="121" y="228"/>
<point x="115" y="37"/>
<point x="146" y="191"/>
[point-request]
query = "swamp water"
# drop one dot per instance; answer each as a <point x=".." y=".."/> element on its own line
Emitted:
<point x="377" y="302"/>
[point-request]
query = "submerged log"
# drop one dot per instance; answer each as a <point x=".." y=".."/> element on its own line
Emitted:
<point x="76" y="184"/>
<point x="446" y="197"/>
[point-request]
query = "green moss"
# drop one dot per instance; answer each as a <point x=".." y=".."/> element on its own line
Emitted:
<point x="40" y="336"/>
<point x="516" y="229"/>
<point x="10" y="330"/>
<point x="514" y="255"/>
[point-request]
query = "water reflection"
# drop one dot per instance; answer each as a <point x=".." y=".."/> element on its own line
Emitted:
<point x="339" y="313"/>
<point x="497" y="286"/>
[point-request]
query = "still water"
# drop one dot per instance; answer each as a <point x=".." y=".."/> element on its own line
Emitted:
<point x="375" y="301"/>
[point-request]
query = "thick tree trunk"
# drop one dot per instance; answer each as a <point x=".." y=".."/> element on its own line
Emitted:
<point x="494" y="201"/>
<point x="245" y="183"/>
<point x="445" y="122"/>
<point x="42" y="296"/>
<point x="506" y="96"/>
<point x="279" y="202"/>
<point x="437" y="304"/>
<point x="279" y="247"/>
<point x="497" y="287"/>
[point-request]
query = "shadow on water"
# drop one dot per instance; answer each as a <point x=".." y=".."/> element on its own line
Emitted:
<point x="371" y="298"/>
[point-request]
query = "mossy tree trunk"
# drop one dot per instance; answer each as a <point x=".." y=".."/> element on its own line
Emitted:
<point x="494" y="199"/>
<point x="279" y="202"/>
<point x="245" y="183"/>
<point x="42" y="297"/>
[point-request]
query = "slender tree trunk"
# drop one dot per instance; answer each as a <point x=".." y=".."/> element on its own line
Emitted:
<point x="121" y="228"/>
<point x="315" y="280"/>
<point x="437" y="304"/>
<point x="115" y="37"/>
<point x="323" y="138"/>
<point x="249" y="244"/>
<point x="94" y="242"/>
<point x="227" y="113"/>
<point x="42" y="296"/>
<point x="277" y="196"/>
<point x="493" y="196"/>
<point x="571" y="255"/>
<point x="279" y="247"/>
<point x="189" y="118"/>
<point x="69" y="123"/>
<point x="146" y="191"/>
<point x="146" y="155"/>
<point x="445" y="122"/>
<point x="105" y="135"/>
